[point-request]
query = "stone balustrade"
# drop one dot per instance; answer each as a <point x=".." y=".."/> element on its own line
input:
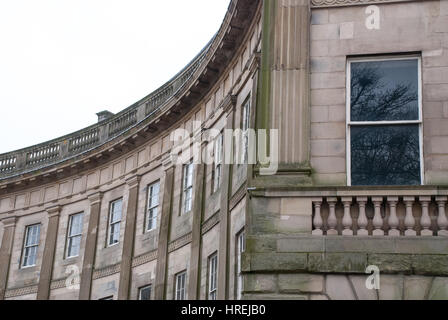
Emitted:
<point x="392" y="216"/>
<point x="49" y="153"/>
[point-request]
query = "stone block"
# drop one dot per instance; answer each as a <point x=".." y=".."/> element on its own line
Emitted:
<point x="328" y="148"/>
<point x="416" y="288"/>
<point x="391" y="263"/>
<point x="323" y="131"/>
<point x="260" y="283"/>
<point x="361" y="290"/>
<point x="319" y="48"/>
<point x="261" y="244"/>
<point x="328" y="64"/>
<point x="339" y="288"/>
<point x="319" y="16"/>
<point x="346" y="30"/>
<point x="305" y="244"/>
<point x="300" y="283"/>
<point x="319" y="114"/>
<point x="337" y="262"/>
<point x="319" y="297"/>
<point x="278" y="262"/>
<point x="256" y="297"/>
<point x="430" y="265"/>
<point x="439" y="289"/>
<point x="324" y="31"/>
<point x="391" y="287"/>
<point x="328" y="80"/>
<point x="329" y="164"/>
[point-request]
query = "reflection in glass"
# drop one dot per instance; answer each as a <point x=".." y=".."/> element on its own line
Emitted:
<point x="384" y="90"/>
<point x="385" y="155"/>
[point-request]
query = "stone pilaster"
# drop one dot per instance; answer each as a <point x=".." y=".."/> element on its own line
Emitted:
<point x="196" y="242"/>
<point x="224" y="226"/>
<point x="90" y="250"/>
<point x="46" y="271"/>
<point x="9" y="226"/>
<point x="164" y="233"/>
<point x="129" y="237"/>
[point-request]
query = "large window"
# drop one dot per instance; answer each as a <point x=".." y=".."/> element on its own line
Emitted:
<point x="144" y="293"/>
<point x="180" y="290"/>
<point x="153" y="206"/>
<point x="384" y="122"/>
<point x="212" y="276"/>
<point x="245" y="126"/>
<point x="115" y="222"/>
<point x="31" y="245"/>
<point x="187" y="204"/>
<point x="240" y="249"/>
<point x="74" y="235"/>
<point x="217" y="177"/>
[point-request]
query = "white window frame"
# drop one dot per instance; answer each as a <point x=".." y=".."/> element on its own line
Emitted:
<point x="27" y="246"/>
<point x="180" y="291"/>
<point x="70" y="236"/>
<point x="350" y="124"/>
<point x="212" y="286"/>
<point x="219" y="150"/>
<point x="152" y="209"/>
<point x="140" y="290"/>
<point x="187" y="189"/>
<point x="111" y="223"/>
<point x="240" y="249"/>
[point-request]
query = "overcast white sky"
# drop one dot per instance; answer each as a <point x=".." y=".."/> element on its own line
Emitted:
<point x="61" y="62"/>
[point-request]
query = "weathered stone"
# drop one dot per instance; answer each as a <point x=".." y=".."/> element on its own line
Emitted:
<point x="430" y="265"/>
<point x="439" y="289"/>
<point x="416" y="288"/>
<point x="390" y="263"/>
<point x="304" y="283"/>
<point x="391" y="287"/>
<point x="339" y="288"/>
<point x="260" y="283"/>
<point x="260" y="262"/>
<point x="337" y="262"/>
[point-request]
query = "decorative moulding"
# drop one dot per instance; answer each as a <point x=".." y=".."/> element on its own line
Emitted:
<point x="340" y="3"/>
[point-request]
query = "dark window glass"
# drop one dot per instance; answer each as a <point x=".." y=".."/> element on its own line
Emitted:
<point x="145" y="293"/>
<point x="385" y="155"/>
<point x="384" y="91"/>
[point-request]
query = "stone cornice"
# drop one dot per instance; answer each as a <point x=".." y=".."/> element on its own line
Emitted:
<point x="145" y="120"/>
<point x="340" y="3"/>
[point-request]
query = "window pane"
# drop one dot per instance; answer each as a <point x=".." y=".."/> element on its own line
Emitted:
<point x="76" y="224"/>
<point x="145" y="293"/>
<point x="385" y="155"/>
<point x="384" y="90"/>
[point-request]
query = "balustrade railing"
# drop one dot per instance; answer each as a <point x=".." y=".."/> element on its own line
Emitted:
<point x="49" y="153"/>
<point x="380" y="216"/>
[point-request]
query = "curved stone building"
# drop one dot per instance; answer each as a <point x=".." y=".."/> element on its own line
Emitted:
<point x="346" y="102"/>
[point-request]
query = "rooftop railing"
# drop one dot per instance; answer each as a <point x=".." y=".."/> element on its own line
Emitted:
<point x="67" y="147"/>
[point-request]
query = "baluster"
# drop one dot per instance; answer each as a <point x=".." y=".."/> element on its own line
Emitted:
<point x="409" y="221"/>
<point x="425" y="221"/>
<point x="347" y="221"/>
<point x="393" y="218"/>
<point x="318" y="221"/>
<point x="442" y="220"/>
<point x="363" y="222"/>
<point x="332" y="220"/>
<point x="378" y="219"/>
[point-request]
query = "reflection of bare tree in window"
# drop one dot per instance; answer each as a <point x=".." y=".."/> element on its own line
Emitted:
<point x="384" y="154"/>
<point x="374" y="98"/>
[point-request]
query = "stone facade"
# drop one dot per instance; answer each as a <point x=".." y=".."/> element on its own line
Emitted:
<point x="303" y="226"/>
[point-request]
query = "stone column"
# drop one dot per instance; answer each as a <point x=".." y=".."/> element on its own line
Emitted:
<point x="224" y="226"/>
<point x="46" y="271"/>
<point x="284" y="102"/>
<point x="9" y="227"/>
<point x="129" y="237"/>
<point x="164" y="233"/>
<point x="90" y="250"/>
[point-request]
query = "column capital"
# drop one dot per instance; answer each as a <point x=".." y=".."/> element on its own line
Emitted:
<point x="229" y="103"/>
<point x="53" y="211"/>
<point x="133" y="181"/>
<point x="9" y="222"/>
<point x="95" y="197"/>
